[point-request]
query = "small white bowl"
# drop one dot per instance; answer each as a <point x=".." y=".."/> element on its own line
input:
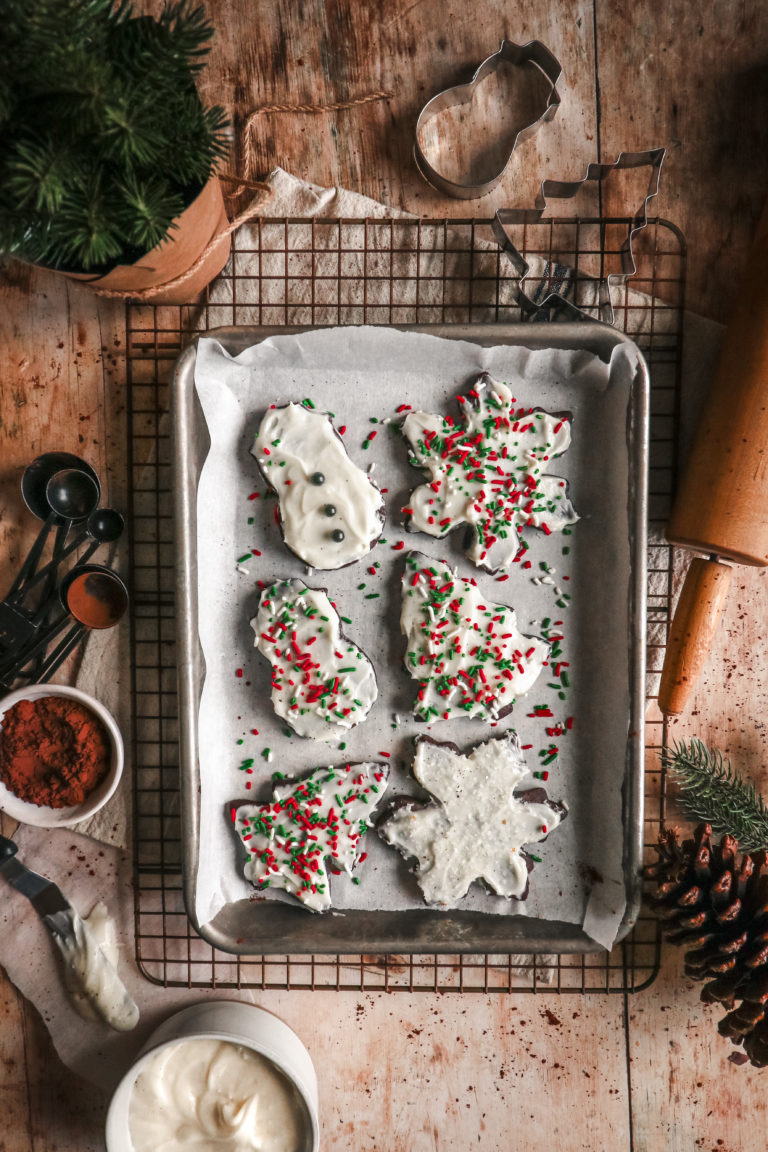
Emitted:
<point x="235" y="1023"/>
<point x="39" y="814"/>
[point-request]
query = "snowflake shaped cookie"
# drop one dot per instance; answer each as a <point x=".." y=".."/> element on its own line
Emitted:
<point x="320" y="819"/>
<point x="476" y="827"/>
<point x="489" y="473"/>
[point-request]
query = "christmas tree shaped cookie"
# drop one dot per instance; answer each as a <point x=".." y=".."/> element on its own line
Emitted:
<point x="476" y="827"/>
<point x="467" y="653"/>
<point x="489" y="472"/>
<point x="319" y="820"/>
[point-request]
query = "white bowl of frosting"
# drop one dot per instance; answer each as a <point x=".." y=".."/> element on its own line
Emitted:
<point x="220" y="1074"/>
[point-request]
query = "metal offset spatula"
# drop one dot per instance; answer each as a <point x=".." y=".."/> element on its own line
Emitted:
<point x="44" y="896"/>
<point x="95" y="979"/>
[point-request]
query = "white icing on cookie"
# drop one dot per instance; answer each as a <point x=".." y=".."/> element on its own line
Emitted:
<point x="489" y="473"/>
<point x="323" y="815"/>
<point x="477" y="828"/>
<point x="322" y="684"/>
<point x="331" y="511"/>
<point x="467" y="653"/>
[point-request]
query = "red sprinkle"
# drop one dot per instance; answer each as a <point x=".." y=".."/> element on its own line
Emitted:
<point x="239" y="673"/>
<point x="342" y="430"/>
<point x="398" y="546"/>
<point x="253" y="496"/>
<point x="387" y="754"/>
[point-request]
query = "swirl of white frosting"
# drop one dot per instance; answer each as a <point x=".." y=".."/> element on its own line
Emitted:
<point x="205" y="1093"/>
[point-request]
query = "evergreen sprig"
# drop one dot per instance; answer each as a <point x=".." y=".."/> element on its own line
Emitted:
<point x="713" y="791"/>
<point x="103" y="136"/>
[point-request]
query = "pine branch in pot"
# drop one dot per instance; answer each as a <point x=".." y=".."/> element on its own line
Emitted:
<point x="107" y="153"/>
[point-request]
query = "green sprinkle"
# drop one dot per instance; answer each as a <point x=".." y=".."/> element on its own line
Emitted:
<point x="242" y="559"/>
<point x="307" y="402"/>
<point x="240" y="741"/>
<point x="372" y="595"/>
<point x="355" y="879"/>
<point x="266" y="753"/>
<point x="343" y="745"/>
<point x="346" y="619"/>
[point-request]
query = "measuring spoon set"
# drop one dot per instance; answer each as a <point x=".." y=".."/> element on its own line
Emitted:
<point x="44" y="603"/>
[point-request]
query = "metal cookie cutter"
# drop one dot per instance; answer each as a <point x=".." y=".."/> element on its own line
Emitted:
<point x="562" y="280"/>
<point x="534" y="52"/>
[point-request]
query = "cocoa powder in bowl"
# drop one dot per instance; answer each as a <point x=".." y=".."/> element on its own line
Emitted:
<point x="53" y="751"/>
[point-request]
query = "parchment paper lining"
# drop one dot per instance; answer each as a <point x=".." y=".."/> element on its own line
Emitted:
<point x="361" y="374"/>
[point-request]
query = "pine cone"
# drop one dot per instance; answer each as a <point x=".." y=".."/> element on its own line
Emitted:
<point x="715" y="903"/>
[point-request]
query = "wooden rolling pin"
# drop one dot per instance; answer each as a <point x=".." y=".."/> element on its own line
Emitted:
<point x="721" y="506"/>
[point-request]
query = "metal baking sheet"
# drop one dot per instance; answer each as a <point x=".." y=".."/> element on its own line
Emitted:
<point x="253" y="927"/>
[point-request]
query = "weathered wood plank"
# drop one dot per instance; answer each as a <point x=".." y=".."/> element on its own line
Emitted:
<point x="325" y="52"/>
<point x="14" y="1088"/>
<point x="684" y="1088"/>
<point x="692" y="78"/>
<point x="457" y="1072"/>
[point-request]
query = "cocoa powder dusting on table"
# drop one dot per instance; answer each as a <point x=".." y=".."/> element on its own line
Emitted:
<point x="53" y="751"/>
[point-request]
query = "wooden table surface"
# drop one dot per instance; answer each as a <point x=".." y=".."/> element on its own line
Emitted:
<point x="646" y="1072"/>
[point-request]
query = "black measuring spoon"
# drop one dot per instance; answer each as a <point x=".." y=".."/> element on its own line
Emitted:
<point x="103" y="526"/>
<point x="97" y="598"/>
<point x="71" y="495"/>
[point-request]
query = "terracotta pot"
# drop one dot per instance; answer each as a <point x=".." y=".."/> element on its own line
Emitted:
<point x="195" y="228"/>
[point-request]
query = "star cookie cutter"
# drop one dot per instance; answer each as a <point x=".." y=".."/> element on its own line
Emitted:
<point x="520" y="55"/>
<point x="560" y="278"/>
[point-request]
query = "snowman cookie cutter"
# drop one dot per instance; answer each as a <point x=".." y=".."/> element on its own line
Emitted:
<point x="520" y="55"/>
<point x="560" y="301"/>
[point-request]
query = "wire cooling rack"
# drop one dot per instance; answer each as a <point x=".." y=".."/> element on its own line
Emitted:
<point x="330" y="271"/>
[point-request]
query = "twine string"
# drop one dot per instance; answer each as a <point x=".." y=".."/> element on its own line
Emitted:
<point x="263" y="191"/>
<point x="302" y="109"/>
